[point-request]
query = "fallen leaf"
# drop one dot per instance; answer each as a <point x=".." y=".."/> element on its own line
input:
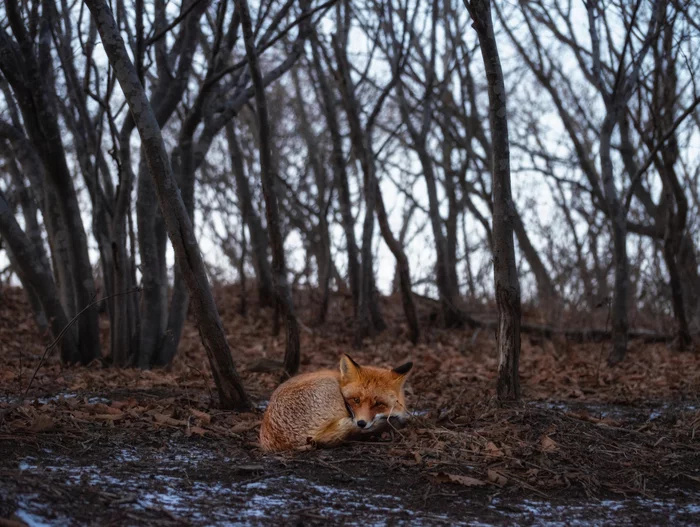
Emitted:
<point x="41" y="423"/>
<point x="109" y="417"/>
<point x="244" y="427"/>
<point x="164" y="419"/>
<point x="204" y="417"/>
<point x="129" y="403"/>
<point x="548" y="444"/>
<point x="195" y="430"/>
<point x="492" y="450"/>
<point x="466" y="481"/>
<point x="496" y="477"/>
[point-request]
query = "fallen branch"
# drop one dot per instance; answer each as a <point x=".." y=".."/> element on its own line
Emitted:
<point x="575" y="334"/>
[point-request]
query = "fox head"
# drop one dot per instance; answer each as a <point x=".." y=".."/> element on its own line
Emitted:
<point x="372" y="394"/>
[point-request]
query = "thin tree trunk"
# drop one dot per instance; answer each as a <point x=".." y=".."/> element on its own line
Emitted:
<point x="368" y="317"/>
<point x="33" y="232"/>
<point x="232" y="395"/>
<point x="505" y="271"/>
<point x="448" y="290"/>
<point x="546" y="292"/>
<point x="152" y="307"/>
<point x="32" y="89"/>
<point x="179" y="304"/>
<point x="618" y="219"/>
<point x="268" y="173"/>
<point x="38" y="277"/>
<point x="402" y="269"/>
<point x="258" y="236"/>
<point x="341" y="178"/>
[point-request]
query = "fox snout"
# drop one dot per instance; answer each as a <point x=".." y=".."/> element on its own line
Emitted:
<point x="380" y="422"/>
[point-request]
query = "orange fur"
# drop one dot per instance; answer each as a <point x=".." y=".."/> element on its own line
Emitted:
<point x="312" y="408"/>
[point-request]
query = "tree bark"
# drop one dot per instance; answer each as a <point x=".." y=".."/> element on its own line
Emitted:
<point x="268" y="175"/>
<point x="368" y="317"/>
<point x="618" y="219"/>
<point x="20" y="66"/>
<point x="258" y="236"/>
<point x="402" y="269"/>
<point x="38" y="277"/>
<point x="341" y="178"/>
<point x="505" y="271"/>
<point x="232" y="395"/>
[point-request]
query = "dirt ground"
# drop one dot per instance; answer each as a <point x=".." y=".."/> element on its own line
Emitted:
<point x="589" y="444"/>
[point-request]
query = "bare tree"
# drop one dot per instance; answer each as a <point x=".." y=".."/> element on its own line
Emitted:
<point x="231" y="392"/>
<point x="268" y="175"/>
<point x="505" y="272"/>
<point x="24" y="63"/>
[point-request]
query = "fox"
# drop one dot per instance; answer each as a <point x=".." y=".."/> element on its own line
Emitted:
<point x="327" y="407"/>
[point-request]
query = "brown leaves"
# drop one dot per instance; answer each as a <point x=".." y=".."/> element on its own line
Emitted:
<point x="42" y="423"/>
<point x="496" y="477"/>
<point x="492" y="450"/>
<point x="547" y="444"/>
<point x="466" y="481"/>
<point x="203" y="417"/>
<point x="166" y="415"/>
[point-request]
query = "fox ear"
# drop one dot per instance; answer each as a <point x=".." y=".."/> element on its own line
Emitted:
<point x="349" y="369"/>
<point x="403" y="369"/>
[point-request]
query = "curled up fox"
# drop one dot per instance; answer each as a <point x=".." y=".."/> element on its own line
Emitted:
<point x="326" y="407"/>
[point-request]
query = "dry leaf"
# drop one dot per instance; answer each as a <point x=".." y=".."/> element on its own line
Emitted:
<point x="164" y="419"/>
<point x="204" y="417"/>
<point x="496" y="477"/>
<point x="492" y="450"/>
<point x="195" y="430"/>
<point x="41" y="423"/>
<point x="548" y="444"/>
<point x="466" y="481"/>
<point x="129" y="403"/>
<point x="109" y="417"/>
<point x="239" y="428"/>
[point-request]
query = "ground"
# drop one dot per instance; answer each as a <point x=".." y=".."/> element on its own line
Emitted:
<point x="588" y="444"/>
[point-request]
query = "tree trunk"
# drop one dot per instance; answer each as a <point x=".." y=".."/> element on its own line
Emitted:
<point x="33" y="232"/>
<point x="232" y="395"/>
<point x="402" y="269"/>
<point x="152" y="307"/>
<point x="547" y="294"/>
<point x="258" y="236"/>
<point x="341" y="178"/>
<point x="618" y="219"/>
<point x="448" y="290"/>
<point x="180" y="301"/>
<point x="38" y="277"/>
<point x="268" y="174"/>
<point x="21" y="68"/>
<point x="123" y="329"/>
<point x="505" y="271"/>
<point x="368" y="316"/>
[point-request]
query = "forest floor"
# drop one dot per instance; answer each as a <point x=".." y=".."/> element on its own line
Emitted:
<point x="590" y="444"/>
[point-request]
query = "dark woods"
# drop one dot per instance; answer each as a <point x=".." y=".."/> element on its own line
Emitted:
<point x="554" y="144"/>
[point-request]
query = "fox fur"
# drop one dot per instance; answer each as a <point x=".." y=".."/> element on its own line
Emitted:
<point x="326" y="407"/>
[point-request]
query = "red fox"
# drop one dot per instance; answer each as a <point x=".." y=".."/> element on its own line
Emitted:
<point x="326" y="407"/>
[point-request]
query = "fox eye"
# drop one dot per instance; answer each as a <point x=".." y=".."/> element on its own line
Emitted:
<point x="356" y="400"/>
<point x="379" y="404"/>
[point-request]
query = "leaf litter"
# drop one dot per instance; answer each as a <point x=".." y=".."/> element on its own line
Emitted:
<point x="585" y="431"/>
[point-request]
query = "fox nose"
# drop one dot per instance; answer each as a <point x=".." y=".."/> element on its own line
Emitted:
<point x="361" y="424"/>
